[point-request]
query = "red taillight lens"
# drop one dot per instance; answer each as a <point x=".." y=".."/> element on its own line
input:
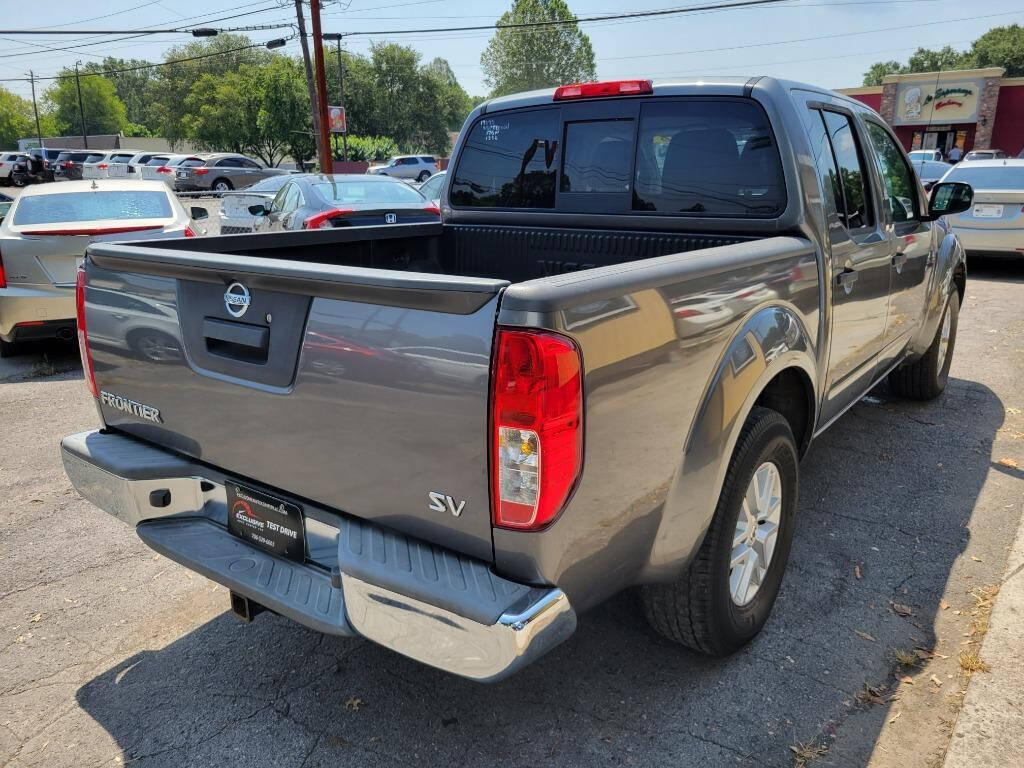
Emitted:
<point x="83" y="336"/>
<point x="3" y="275"/>
<point x="103" y="166"/>
<point x="164" y="169"/>
<point x="68" y="164"/>
<point x="201" y="171"/>
<point x="536" y="427"/>
<point x="189" y="232"/>
<point x="610" y="88"/>
<point x="433" y="209"/>
<point x="322" y="220"/>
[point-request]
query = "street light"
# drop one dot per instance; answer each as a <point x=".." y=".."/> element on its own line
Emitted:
<point x="204" y="32"/>
<point x="279" y="42"/>
<point x="336" y="37"/>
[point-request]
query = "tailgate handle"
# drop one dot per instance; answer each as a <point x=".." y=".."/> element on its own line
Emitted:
<point x="239" y="341"/>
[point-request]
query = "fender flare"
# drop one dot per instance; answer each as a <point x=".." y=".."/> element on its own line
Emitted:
<point x="948" y="274"/>
<point x="773" y="339"/>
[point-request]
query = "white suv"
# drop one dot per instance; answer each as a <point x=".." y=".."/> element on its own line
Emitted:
<point x="417" y="167"/>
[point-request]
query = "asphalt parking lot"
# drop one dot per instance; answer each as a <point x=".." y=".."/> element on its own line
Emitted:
<point x="110" y="654"/>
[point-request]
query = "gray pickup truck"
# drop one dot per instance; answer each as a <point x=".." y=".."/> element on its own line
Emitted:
<point x="599" y="372"/>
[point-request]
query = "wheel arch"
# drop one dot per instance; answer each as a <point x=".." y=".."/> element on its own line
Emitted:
<point x="775" y="346"/>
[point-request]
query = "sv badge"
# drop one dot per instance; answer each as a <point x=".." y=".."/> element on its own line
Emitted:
<point x="441" y="502"/>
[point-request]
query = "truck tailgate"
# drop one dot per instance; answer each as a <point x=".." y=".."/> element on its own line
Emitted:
<point x="359" y="389"/>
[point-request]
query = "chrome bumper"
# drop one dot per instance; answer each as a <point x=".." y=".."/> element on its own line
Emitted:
<point x="124" y="477"/>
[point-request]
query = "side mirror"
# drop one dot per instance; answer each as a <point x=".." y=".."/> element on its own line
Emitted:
<point x="199" y="213"/>
<point x="260" y="209"/>
<point x="948" y="197"/>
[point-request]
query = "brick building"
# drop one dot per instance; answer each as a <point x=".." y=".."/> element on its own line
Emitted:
<point x="970" y="108"/>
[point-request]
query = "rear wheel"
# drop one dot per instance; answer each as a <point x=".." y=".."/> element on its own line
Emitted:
<point x="724" y="598"/>
<point x="925" y="379"/>
<point x="222" y="185"/>
<point x="424" y="175"/>
<point x="7" y="349"/>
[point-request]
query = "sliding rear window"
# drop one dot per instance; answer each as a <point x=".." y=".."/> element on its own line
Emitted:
<point x="684" y="157"/>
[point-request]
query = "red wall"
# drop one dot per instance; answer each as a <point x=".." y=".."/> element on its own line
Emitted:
<point x="1008" y="132"/>
<point x="873" y="100"/>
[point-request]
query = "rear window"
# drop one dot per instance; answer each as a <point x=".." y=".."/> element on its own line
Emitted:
<point x="680" y="156"/>
<point x="993" y="177"/>
<point x="356" y="192"/>
<point x="120" y="158"/>
<point x="156" y="161"/>
<point x="94" y="158"/>
<point x="91" y="206"/>
<point x="508" y="161"/>
<point x="188" y="162"/>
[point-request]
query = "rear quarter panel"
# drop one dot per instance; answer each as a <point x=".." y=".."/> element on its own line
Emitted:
<point x="667" y="387"/>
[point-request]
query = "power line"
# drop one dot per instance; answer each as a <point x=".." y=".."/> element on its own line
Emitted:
<point x="579" y="20"/>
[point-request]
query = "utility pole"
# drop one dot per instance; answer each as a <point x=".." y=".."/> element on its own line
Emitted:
<point x="324" y="133"/>
<point x="35" y="108"/>
<point x="336" y="36"/>
<point x="81" y="108"/>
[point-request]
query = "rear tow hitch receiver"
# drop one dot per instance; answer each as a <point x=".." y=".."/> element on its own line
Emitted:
<point x="244" y="608"/>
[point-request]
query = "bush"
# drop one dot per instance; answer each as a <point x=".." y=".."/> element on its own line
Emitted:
<point x="369" y="149"/>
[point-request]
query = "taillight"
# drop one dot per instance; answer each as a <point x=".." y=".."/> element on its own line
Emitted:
<point x="536" y="426"/>
<point x="69" y="164"/>
<point x="201" y="171"/>
<point x="433" y="209"/>
<point x="164" y="169"/>
<point x="3" y="275"/>
<point x="610" y="88"/>
<point x="83" y="336"/>
<point x="322" y="220"/>
<point x="189" y="232"/>
<point x="103" y="166"/>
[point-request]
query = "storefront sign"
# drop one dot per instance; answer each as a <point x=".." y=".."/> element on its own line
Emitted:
<point x="951" y="102"/>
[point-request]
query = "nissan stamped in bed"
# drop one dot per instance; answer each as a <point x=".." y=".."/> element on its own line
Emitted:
<point x="599" y="371"/>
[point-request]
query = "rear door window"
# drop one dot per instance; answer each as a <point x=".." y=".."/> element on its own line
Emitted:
<point x="856" y="209"/>
<point x="509" y="161"/>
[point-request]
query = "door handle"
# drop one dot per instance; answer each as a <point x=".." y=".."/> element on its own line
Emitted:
<point x="847" y="278"/>
<point x="899" y="259"/>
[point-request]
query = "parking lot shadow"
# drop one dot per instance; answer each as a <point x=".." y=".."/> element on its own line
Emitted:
<point x="886" y="498"/>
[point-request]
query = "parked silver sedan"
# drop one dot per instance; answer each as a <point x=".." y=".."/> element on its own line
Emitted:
<point x="44" y="236"/>
<point x="995" y="222"/>
<point x="235" y="217"/>
<point x="220" y="172"/>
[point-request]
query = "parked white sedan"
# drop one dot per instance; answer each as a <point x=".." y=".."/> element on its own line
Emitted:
<point x="995" y="223"/>
<point x="44" y="236"/>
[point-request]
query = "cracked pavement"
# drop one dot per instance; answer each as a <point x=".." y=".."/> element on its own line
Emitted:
<point x="112" y="655"/>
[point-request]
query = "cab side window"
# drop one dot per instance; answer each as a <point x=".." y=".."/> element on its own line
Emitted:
<point x="856" y="205"/>
<point x="896" y="175"/>
<point x="278" y="205"/>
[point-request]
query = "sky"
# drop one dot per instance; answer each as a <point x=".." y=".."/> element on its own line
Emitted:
<point x="825" y="42"/>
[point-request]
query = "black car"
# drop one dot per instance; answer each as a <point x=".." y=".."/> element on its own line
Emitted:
<point x="321" y="201"/>
<point x="43" y="161"/>
<point x="69" y="163"/>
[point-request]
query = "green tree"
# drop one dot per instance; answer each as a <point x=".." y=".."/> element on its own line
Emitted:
<point x="16" y="120"/>
<point x="1000" y="47"/>
<point x="879" y="70"/>
<point x="284" y="107"/>
<point x="523" y="59"/>
<point x="104" y="112"/>
<point x="174" y="83"/>
<point x="928" y="60"/>
<point x="133" y="83"/>
<point x="455" y="102"/>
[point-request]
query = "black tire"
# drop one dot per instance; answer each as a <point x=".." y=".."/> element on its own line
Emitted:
<point x="225" y="185"/>
<point x="424" y="175"/>
<point x="925" y="378"/>
<point x="698" y="610"/>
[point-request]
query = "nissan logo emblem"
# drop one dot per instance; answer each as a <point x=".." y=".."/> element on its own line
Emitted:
<point x="236" y="299"/>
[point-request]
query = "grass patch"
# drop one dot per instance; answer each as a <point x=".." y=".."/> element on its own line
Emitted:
<point x="971" y="662"/>
<point x="803" y="754"/>
<point x="905" y="658"/>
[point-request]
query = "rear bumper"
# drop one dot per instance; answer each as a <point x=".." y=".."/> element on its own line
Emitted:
<point x="985" y="240"/>
<point x="429" y="604"/>
<point x="55" y="307"/>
